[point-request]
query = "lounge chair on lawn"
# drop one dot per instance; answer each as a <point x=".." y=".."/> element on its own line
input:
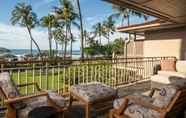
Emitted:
<point x="169" y="102"/>
<point x="18" y="105"/>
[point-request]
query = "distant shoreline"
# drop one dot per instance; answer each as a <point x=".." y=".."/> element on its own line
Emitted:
<point x="20" y="52"/>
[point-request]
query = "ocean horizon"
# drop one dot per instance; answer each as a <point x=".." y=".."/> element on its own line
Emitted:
<point x="19" y="52"/>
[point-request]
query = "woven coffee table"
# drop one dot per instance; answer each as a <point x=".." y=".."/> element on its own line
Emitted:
<point x="91" y="95"/>
<point x="43" y="112"/>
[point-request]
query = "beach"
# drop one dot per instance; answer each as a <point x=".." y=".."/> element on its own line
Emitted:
<point x="21" y="52"/>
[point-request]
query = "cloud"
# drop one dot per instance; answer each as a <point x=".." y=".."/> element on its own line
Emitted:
<point x="15" y="37"/>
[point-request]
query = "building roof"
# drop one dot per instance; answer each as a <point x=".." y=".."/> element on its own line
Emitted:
<point x="149" y="26"/>
<point x="169" y="10"/>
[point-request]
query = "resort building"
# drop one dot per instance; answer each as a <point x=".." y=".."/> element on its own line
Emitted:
<point x="165" y="37"/>
<point x="107" y="87"/>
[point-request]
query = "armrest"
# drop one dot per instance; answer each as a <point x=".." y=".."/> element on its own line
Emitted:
<point x="30" y="84"/>
<point x="138" y="101"/>
<point x="144" y="103"/>
<point x="64" y="94"/>
<point x="22" y="98"/>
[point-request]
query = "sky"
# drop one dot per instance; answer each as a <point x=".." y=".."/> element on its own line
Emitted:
<point x="16" y="37"/>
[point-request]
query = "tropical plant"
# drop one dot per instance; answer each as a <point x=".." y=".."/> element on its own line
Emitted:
<point x="108" y="28"/>
<point x="88" y="38"/>
<point x="118" y="45"/>
<point x="25" y="17"/>
<point x="4" y="50"/>
<point x="59" y="37"/>
<point x="98" y="31"/>
<point x="125" y="13"/>
<point x="49" y="22"/>
<point x="66" y="15"/>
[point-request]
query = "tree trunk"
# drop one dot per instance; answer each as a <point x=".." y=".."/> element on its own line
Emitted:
<point x="81" y="28"/>
<point x="66" y="38"/>
<point x="108" y="38"/>
<point x="37" y="46"/>
<point x="50" y="41"/>
<point x="71" y="41"/>
<point x="56" y="48"/>
<point x="100" y="38"/>
<point x="31" y="51"/>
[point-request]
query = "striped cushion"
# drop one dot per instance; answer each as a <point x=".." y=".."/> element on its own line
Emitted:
<point x="168" y="65"/>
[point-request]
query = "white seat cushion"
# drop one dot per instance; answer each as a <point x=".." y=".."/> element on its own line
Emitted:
<point x="171" y="73"/>
<point x="160" y="79"/>
<point x="181" y="66"/>
<point x="163" y="79"/>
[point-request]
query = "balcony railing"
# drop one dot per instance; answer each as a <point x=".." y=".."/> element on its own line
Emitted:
<point x="60" y="75"/>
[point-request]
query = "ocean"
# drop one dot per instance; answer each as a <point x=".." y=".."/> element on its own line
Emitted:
<point x="19" y="52"/>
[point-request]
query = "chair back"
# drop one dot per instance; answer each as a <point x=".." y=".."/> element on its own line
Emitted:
<point x="7" y="86"/>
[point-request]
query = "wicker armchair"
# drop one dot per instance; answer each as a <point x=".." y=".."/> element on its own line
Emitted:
<point x="18" y="105"/>
<point x="169" y="102"/>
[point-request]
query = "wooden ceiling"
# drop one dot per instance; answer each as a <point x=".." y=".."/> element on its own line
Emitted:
<point x="169" y="10"/>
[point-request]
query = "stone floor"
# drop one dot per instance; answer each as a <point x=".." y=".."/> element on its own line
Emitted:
<point x="77" y="110"/>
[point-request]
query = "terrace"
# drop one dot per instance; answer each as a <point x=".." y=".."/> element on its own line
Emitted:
<point x="127" y="75"/>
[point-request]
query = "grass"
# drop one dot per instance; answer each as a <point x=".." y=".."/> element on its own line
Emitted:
<point x="61" y="78"/>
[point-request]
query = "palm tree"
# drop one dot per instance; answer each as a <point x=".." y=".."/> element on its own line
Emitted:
<point x="81" y="29"/>
<point x="98" y="31"/>
<point x="86" y="37"/>
<point x="72" y="39"/>
<point x="24" y="16"/>
<point x="59" y="37"/>
<point x="67" y="16"/>
<point x="125" y="13"/>
<point x="49" y="22"/>
<point x="108" y="28"/>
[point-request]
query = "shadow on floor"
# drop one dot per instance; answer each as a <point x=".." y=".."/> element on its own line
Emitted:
<point x="78" y="111"/>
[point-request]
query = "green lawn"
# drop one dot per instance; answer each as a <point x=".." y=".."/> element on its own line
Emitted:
<point x="55" y="78"/>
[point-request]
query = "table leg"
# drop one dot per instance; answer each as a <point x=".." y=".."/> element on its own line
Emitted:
<point x="88" y="112"/>
<point x="71" y="100"/>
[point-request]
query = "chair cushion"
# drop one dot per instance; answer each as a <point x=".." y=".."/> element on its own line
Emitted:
<point x="57" y="99"/>
<point x="10" y="89"/>
<point x="93" y="91"/>
<point x="168" y="65"/>
<point x="171" y="73"/>
<point x="164" y="96"/>
<point x="32" y="104"/>
<point x="8" y="85"/>
<point x="181" y="66"/>
<point x="118" y="103"/>
<point x="136" y="111"/>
